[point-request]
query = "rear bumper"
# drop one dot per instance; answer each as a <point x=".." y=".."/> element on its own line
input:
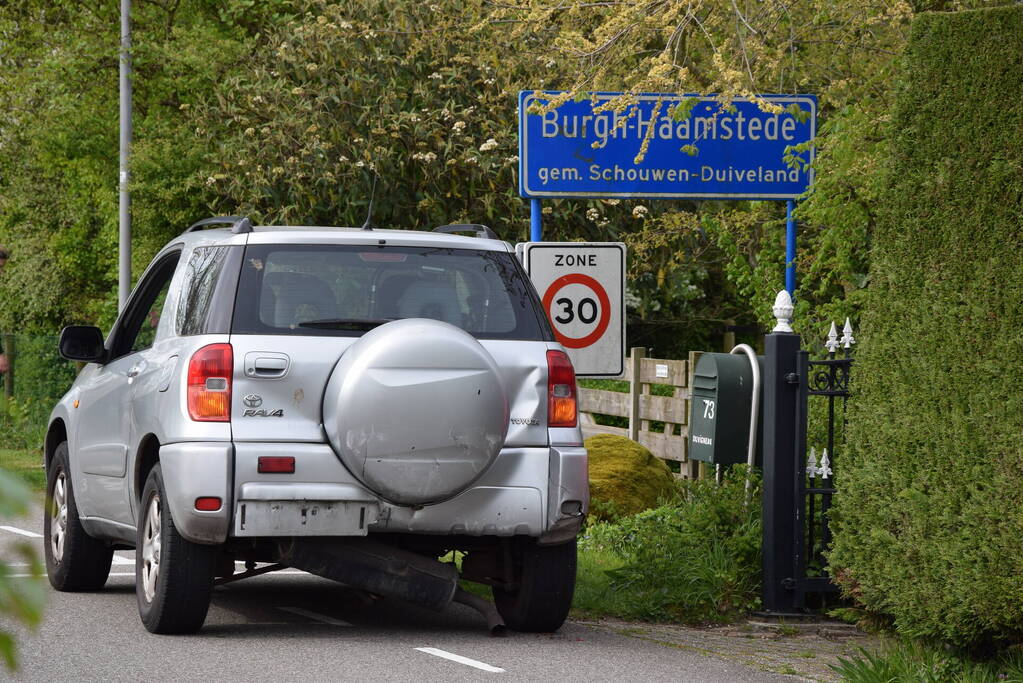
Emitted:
<point x="198" y="470"/>
<point x="538" y="492"/>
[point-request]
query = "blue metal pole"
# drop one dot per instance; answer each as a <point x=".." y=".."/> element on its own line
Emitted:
<point x="790" y="248"/>
<point x="535" y="221"/>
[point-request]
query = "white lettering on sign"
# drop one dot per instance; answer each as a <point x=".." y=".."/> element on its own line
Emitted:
<point x="549" y="174"/>
<point x="661" y="370"/>
<point x="706" y="441"/>
<point x="721" y="125"/>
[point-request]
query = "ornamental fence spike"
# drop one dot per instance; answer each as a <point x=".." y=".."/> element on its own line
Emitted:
<point x="811" y="463"/>
<point x="832" y="343"/>
<point x="847" y="335"/>
<point x="825" y="469"/>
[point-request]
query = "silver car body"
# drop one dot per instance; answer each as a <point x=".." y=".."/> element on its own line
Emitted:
<point x="120" y="417"/>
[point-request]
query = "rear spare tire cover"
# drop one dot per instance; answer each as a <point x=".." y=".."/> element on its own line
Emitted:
<point x="416" y="410"/>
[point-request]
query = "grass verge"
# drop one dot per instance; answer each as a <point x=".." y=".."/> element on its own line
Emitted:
<point x="914" y="662"/>
<point x="26" y="464"/>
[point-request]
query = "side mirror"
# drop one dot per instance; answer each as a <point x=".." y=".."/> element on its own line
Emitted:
<point x="83" y="343"/>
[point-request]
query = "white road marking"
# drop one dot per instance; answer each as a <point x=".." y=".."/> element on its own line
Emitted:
<point x="122" y="560"/>
<point x="17" y="576"/>
<point x="16" y="530"/>
<point x="314" y="616"/>
<point x="460" y="659"/>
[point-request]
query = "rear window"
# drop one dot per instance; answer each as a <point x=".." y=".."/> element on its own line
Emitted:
<point x="347" y="290"/>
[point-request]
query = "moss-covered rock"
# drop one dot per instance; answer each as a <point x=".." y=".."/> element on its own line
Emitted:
<point x="625" y="478"/>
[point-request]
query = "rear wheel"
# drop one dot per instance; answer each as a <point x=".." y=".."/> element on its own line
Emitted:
<point x="75" y="561"/>
<point x="546" y="585"/>
<point x="173" y="576"/>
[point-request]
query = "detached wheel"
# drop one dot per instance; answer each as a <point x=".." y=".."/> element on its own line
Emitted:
<point x="173" y="576"/>
<point x="546" y="585"/>
<point x="75" y="561"/>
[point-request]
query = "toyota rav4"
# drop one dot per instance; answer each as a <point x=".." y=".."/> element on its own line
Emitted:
<point x="355" y="403"/>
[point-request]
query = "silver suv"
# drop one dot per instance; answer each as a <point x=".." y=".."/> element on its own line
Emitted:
<point x="355" y="403"/>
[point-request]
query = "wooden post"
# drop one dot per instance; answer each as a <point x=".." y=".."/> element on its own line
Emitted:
<point x="729" y="336"/>
<point x="9" y="375"/>
<point x="636" y="355"/>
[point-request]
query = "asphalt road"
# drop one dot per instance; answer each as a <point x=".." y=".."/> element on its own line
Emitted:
<point x="293" y="626"/>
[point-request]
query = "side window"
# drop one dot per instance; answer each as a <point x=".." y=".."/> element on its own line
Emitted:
<point x="147" y="332"/>
<point x="136" y="329"/>
<point x="197" y="296"/>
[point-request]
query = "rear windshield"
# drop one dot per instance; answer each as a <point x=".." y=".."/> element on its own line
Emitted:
<point x="347" y="290"/>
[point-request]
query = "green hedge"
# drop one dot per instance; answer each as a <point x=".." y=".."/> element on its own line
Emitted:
<point x="929" y="525"/>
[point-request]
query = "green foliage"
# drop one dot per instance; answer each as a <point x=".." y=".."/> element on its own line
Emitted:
<point x="695" y="559"/>
<point x="41" y="377"/>
<point x="26" y="464"/>
<point x="21" y="598"/>
<point x="59" y="144"/>
<point x="915" y="662"/>
<point x="625" y="477"/>
<point x="927" y="528"/>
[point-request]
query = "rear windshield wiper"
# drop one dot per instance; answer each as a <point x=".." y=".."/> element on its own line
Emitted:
<point x="346" y="323"/>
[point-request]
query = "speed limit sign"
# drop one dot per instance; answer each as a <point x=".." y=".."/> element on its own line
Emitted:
<point x="582" y="286"/>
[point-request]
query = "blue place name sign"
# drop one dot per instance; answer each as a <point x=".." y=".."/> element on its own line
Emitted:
<point x="714" y="152"/>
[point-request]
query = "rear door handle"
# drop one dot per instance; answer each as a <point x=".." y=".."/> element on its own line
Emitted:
<point x="266" y="364"/>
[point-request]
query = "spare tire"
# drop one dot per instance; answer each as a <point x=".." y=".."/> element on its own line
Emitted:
<point x="416" y="410"/>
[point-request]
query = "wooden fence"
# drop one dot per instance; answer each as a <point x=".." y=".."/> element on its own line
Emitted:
<point x="641" y="407"/>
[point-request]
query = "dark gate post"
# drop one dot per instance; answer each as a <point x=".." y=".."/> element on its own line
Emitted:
<point x="780" y="494"/>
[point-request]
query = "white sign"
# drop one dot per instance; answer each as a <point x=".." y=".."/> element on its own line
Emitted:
<point x="582" y="287"/>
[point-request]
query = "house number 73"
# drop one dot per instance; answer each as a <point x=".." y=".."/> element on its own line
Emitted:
<point x="708" y="409"/>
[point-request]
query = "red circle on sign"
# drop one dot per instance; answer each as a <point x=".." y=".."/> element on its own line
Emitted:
<point x="605" y="308"/>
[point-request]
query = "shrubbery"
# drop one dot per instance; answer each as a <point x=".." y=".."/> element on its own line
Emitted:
<point x="695" y="559"/>
<point x="625" y="477"/>
<point x="41" y="377"/>
<point x="928" y="524"/>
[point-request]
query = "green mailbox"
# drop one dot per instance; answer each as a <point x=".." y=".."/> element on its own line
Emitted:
<point x="719" y="410"/>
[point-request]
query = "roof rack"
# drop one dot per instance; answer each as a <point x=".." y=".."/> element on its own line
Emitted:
<point x="239" y="224"/>
<point x="482" y="231"/>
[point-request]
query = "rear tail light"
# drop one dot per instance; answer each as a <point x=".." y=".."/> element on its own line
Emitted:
<point x="561" y="406"/>
<point x="207" y="504"/>
<point x="209" y="383"/>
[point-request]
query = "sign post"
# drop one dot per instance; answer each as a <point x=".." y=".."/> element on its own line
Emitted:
<point x="582" y="288"/>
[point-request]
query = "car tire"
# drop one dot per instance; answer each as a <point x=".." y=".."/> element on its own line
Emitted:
<point x="75" y="561"/>
<point x="541" y="602"/>
<point x="173" y="576"/>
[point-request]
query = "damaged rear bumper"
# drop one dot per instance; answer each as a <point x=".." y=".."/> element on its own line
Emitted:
<point x="538" y="492"/>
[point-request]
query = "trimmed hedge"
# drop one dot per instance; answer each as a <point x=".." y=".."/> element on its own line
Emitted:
<point x="929" y="524"/>
<point x="625" y="477"/>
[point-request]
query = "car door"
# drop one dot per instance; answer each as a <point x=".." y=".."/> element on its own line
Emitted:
<point x="104" y="404"/>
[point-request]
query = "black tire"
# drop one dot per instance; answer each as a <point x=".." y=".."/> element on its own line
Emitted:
<point x="547" y="582"/>
<point x="177" y="599"/>
<point x="75" y="561"/>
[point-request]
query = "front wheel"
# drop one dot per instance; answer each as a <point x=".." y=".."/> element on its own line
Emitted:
<point x="75" y="561"/>
<point x="546" y="584"/>
<point x="173" y="576"/>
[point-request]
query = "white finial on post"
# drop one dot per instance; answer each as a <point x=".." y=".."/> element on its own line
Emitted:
<point x="783" y="312"/>
<point x="847" y="338"/>
<point x="832" y="343"/>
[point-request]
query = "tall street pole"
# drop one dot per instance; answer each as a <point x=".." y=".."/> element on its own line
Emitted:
<point x="124" y="223"/>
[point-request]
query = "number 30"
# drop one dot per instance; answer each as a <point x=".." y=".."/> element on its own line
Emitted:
<point x="568" y="313"/>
